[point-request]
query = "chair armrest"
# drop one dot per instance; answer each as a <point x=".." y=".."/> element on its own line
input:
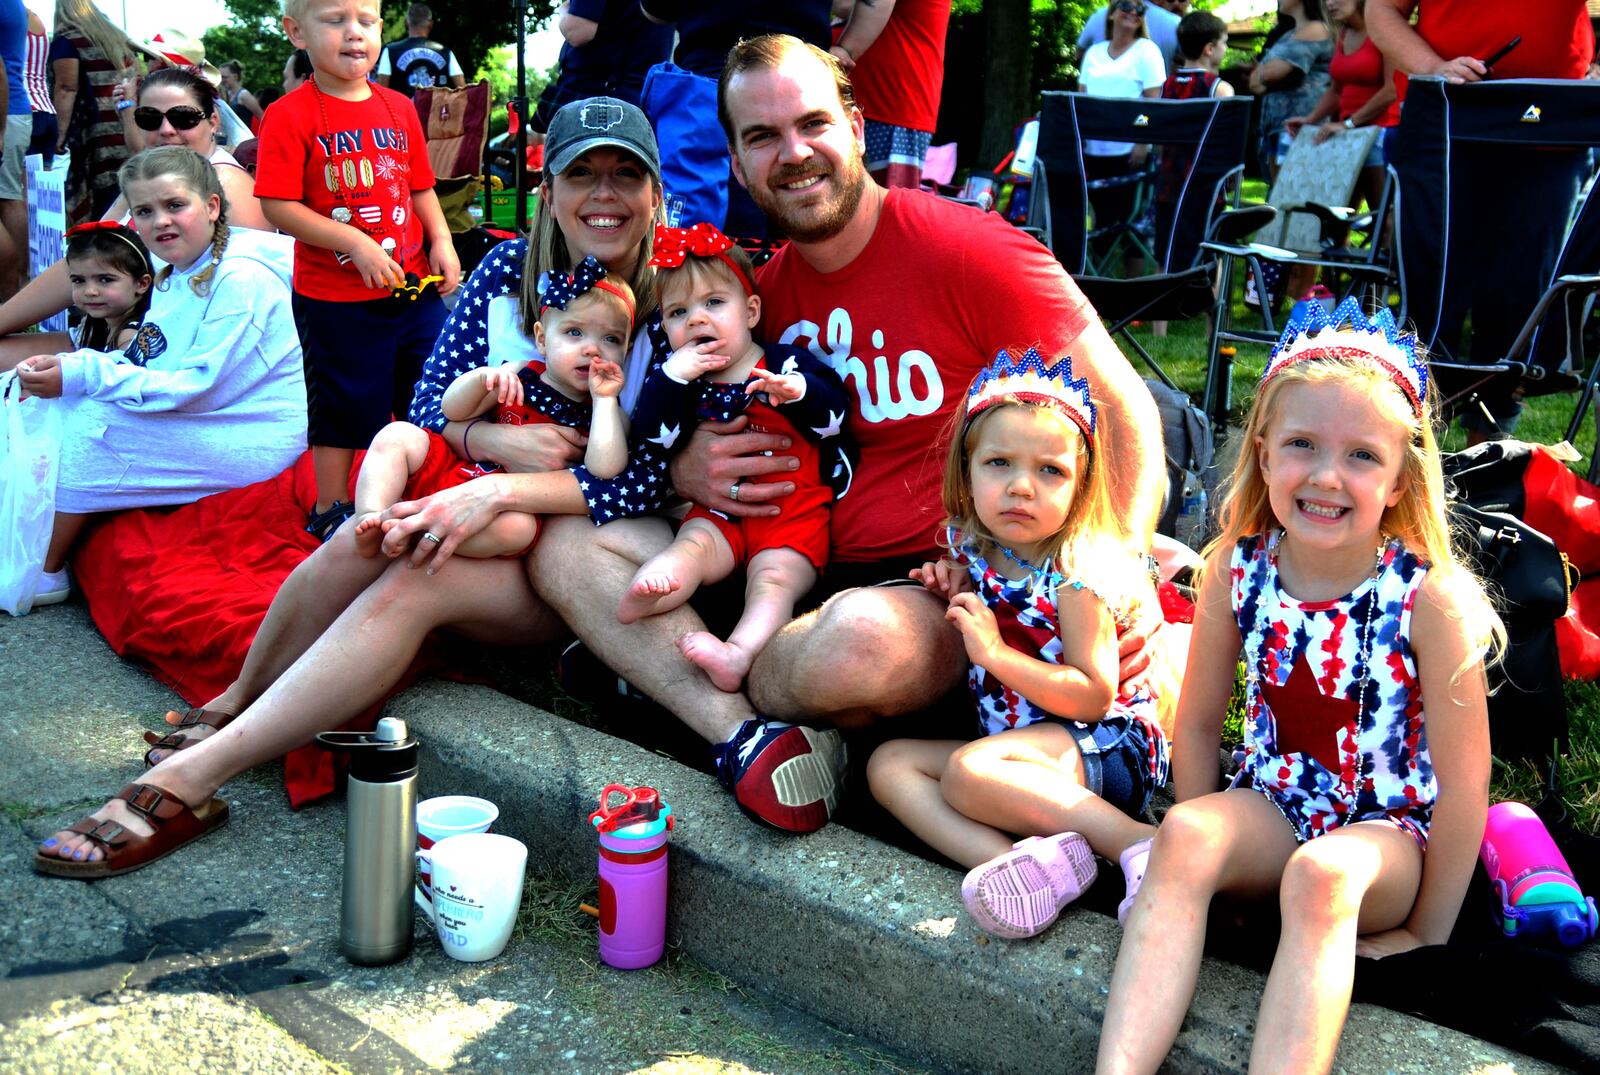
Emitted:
<point x="1232" y="225"/>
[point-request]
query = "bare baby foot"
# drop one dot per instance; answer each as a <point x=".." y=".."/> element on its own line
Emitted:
<point x="369" y="533"/>
<point x="645" y="593"/>
<point x="724" y="663"/>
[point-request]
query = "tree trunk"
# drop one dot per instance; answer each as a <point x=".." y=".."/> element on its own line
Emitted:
<point x="1005" y="91"/>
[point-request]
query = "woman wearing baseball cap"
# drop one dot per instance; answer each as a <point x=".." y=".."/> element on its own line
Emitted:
<point x="343" y="627"/>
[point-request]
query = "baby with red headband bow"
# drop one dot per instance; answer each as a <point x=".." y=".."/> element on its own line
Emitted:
<point x="585" y="319"/>
<point x="717" y="372"/>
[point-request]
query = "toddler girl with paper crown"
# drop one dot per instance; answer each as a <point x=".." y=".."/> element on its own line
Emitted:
<point x="1038" y="580"/>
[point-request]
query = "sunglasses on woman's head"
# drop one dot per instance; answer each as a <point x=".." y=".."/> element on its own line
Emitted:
<point x="1132" y="9"/>
<point x="182" y="117"/>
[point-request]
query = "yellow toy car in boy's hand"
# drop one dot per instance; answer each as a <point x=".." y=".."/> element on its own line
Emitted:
<point x="413" y="286"/>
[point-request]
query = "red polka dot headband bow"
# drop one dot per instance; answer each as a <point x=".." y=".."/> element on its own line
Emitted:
<point x="674" y="245"/>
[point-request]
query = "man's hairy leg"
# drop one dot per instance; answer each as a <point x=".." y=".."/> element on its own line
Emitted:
<point x="867" y="653"/>
<point x="582" y="571"/>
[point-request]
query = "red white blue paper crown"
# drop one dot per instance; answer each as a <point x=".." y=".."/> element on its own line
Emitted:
<point x="1350" y="335"/>
<point x="1029" y="380"/>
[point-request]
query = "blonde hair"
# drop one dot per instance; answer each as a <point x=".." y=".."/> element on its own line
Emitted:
<point x="1418" y="518"/>
<point x="103" y="34"/>
<point x="1091" y="540"/>
<point x="611" y="298"/>
<point x="196" y="174"/>
<point x="547" y="252"/>
<point x="1144" y="25"/>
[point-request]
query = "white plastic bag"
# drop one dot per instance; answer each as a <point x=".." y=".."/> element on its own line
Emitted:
<point x="30" y="452"/>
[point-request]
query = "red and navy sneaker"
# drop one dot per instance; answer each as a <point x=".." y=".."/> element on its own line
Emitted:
<point x="783" y="775"/>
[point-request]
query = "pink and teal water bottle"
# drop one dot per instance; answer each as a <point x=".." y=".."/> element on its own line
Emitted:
<point x="1539" y="899"/>
<point x="633" y="875"/>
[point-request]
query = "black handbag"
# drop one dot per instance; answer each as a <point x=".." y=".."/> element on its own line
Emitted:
<point x="1530" y="580"/>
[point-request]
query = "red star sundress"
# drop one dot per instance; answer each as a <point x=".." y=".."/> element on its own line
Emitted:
<point x="1334" y="729"/>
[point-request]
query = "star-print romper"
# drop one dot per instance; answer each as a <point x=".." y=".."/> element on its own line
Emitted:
<point x="1125" y="752"/>
<point x="1333" y="709"/>
<point x="669" y="411"/>
<point x="541" y="405"/>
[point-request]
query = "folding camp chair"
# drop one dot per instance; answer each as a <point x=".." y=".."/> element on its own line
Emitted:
<point x="1213" y="130"/>
<point x="1312" y="229"/>
<point x="1208" y="140"/>
<point x="1538" y="132"/>
<point x="456" y="124"/>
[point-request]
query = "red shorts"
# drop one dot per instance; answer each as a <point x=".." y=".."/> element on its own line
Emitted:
<point x="444" y="469"/>
<point x="803" y="523"/>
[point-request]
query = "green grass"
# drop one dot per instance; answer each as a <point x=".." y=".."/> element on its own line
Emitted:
<point x="1182" y="354"/>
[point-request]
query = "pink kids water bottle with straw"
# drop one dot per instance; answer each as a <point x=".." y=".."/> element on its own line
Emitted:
<point x="633" y="875"/>
<point x="1539" y="899"/>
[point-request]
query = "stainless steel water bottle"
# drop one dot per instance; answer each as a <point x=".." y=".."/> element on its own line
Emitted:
<point x="380" y="841"/>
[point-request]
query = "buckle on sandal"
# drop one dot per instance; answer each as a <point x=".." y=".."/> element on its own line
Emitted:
<point x="105" y="833"/>
<point x="146" y="801"/>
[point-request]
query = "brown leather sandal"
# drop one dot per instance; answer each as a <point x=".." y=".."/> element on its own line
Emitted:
<point x="193" y="717"/>
<point x="174" y="822"/>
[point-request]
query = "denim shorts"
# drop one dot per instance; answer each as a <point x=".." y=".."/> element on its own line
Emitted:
<point x="1116" y="760"/>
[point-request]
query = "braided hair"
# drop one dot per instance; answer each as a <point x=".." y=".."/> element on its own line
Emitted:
<point x="196" y="174"/>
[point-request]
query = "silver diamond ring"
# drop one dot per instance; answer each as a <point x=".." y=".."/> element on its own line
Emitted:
<point x="429" y="535"/>
<point x="733" y="491"/>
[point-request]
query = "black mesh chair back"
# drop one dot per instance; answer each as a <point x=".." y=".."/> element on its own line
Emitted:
<point x="1212" y="129"/>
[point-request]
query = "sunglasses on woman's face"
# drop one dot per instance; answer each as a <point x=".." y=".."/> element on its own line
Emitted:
<point x="1132" y="9"/>
<point x="182" y="117"/>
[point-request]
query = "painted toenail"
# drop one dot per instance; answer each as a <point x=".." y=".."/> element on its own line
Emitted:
<point x="78" y="854"/>
<point x="50" y="842"/>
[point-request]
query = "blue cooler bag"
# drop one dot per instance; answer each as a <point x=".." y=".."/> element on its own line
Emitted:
<point x="682" y="107"/>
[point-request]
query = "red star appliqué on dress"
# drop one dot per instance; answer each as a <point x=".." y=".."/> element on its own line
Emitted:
<point x="1308" y="721"/>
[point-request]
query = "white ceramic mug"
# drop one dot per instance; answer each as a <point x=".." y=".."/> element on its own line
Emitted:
<point x="444" y="816"/>
<point x="477" y="888"/>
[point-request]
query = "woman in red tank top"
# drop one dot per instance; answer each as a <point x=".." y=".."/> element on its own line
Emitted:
<point x="1362" y="93"/>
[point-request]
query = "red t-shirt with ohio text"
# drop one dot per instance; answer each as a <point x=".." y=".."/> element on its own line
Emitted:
<point x="357" y="162"/>
<point x="938" y="289"/>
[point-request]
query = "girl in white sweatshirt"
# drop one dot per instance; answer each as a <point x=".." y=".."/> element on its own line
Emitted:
<point x="209" y="395"/>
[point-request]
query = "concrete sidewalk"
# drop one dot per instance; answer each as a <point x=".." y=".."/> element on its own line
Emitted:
<point x="838" y="925"/>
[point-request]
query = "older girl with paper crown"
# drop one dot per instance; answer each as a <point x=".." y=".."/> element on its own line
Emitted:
<point x="1038" y="582"/>
<point x="1362" y="797"/>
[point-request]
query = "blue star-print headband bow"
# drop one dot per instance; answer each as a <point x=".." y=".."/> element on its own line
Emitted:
<point x="560" y="290"/>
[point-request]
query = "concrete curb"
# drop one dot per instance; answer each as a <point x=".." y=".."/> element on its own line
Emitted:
<point x="852" y="930"/>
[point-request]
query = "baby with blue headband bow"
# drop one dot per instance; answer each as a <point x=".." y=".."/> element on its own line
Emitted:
<point x="585" y="319"/>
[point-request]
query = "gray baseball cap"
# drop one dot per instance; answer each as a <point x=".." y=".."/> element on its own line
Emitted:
<point x="580" y="126"/>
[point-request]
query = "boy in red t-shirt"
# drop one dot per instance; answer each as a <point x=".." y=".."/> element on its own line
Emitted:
<point x="343" y="167"/>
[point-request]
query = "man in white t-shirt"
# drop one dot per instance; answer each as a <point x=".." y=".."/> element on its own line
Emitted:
<point x="1161" y="24"/>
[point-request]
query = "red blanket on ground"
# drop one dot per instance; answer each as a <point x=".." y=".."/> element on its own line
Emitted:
<point x="183" y="590"/>
<point x="1566" y="509"/>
